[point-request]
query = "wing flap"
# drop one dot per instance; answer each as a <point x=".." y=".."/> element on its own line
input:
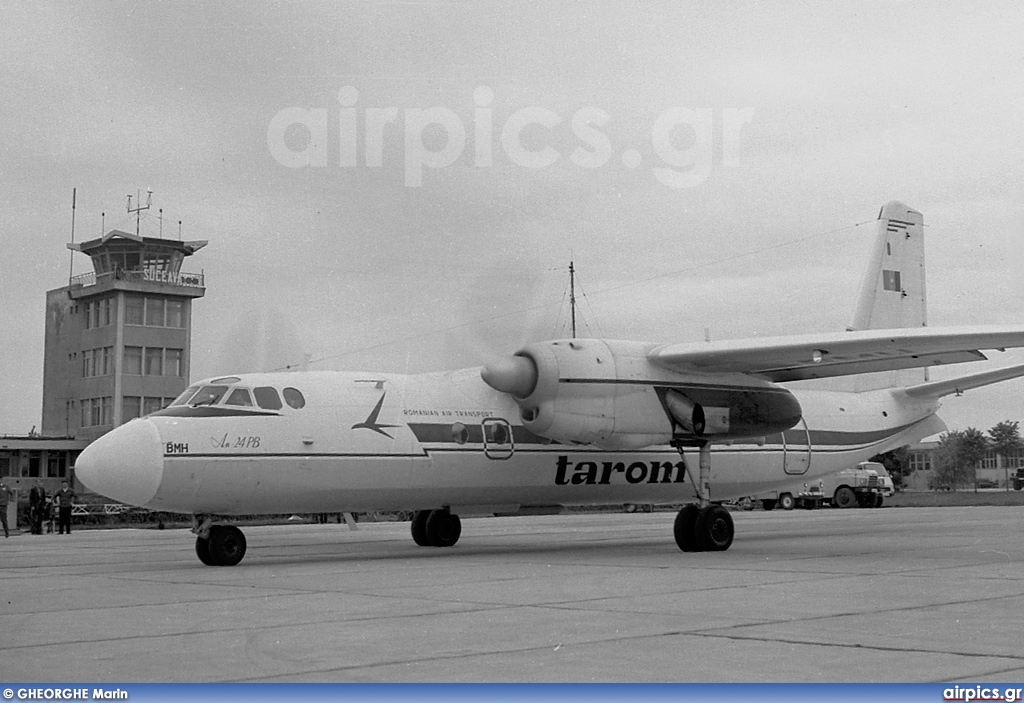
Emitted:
<point x="838" y="354"/>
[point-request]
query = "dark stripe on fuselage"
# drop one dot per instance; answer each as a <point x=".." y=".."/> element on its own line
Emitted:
<point x="210" y="411"/>
<point x="433" y="433"/>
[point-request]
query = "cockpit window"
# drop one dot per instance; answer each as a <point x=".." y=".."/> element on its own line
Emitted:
<point x="239" y="396"/>
<point x="267" y="398"/>
<point x="185" y="395"/>
<point x="208" y="395"/>
<point x="294" y="398"/>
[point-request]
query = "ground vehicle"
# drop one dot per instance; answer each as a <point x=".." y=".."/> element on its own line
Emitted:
<point x="865" y="484"/>
<point x="1018" y="480"/>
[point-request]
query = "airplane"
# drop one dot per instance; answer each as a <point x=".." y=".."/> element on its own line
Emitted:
<point x="559" y="423"/>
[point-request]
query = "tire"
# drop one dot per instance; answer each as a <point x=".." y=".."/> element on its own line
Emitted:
<point x="203" y="551"/>
<point x="879" y="499"/>
<point x="714" y="529"/>
<point x="443" y="528"/>
<point x="419" y="528"/>
<point x="684" y="528"/>
<point x="768" y="503"/>
<point x="844" y="498"/>
<point x="787" y="501"/>
<point x="227" y="545"/>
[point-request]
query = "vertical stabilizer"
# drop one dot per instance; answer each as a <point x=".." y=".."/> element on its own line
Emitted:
<point x="892" y="292"/>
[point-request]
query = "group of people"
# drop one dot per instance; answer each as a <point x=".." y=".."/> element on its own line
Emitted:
<point x="40" y="507"/>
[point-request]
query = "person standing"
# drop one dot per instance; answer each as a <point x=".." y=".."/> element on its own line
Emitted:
<point x="63" y="500"/>
<point x="5" y="497"/>
<point x="36" y="506"/>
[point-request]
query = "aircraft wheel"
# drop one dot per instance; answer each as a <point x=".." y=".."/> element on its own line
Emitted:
<point x="419" y="528"/>
<point x="227" y="545"/>
<point x="787" y="501"/>
<point x="443" y="528"/>
<point x="203" y="551"/>
<point x="844" y="497"/>
<point x="714" y="529"/>
<point x="768" y="504"/>
<point x="684" y="529"/>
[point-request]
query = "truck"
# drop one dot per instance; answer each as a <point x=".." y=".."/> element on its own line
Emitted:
<point x="1018" y="479"/>
<point x="867" y="484"/>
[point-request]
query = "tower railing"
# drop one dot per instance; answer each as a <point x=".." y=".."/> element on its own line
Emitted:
<point x="148" y="275"/>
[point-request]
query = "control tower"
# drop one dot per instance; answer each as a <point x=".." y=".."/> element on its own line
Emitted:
<point x="118" y="338"/>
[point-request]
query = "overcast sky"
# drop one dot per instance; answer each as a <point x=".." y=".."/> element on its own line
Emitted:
<point x="566" y="131"/>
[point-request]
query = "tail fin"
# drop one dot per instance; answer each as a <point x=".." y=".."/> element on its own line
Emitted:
<point x="892" y="292"/>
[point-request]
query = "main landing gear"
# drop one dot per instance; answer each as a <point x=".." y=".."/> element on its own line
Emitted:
<point x="218" y="545"/>
<point x="436" y="528"/>
<point x="703" y="527"/>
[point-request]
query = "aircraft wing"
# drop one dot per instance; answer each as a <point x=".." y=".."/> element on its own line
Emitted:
<point x="838" y="354"/>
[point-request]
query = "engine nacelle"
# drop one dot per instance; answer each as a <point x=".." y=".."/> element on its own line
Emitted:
<point x="608" y="393"/>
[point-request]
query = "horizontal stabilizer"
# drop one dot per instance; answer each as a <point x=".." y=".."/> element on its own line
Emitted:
<point x="810" y="356"/>
<point x="937" y="389"/>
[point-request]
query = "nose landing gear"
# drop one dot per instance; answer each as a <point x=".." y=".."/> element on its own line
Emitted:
<point x="218" y="545"/>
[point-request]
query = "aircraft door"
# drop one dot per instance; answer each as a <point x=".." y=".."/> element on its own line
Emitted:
<point x="498" y="442"/>
<point x="796" y="445"/>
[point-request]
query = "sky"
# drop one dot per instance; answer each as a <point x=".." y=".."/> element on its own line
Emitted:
<point x="400" y="186"/>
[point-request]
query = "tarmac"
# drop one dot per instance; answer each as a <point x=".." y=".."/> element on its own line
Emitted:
<point x="888" y="595"/>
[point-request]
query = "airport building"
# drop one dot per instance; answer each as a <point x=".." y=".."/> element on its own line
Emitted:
<point x="117" y="346"/>
<point x="118" y="338"/>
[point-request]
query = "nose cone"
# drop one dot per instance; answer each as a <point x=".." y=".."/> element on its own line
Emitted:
<point x="125" y="464"/>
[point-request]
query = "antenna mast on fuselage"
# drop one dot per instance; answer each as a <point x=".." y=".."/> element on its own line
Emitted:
<point x="572" y="296"/>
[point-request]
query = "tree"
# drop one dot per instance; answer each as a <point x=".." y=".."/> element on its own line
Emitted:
<point x="1006" y="441"/>
<point x="897" y="463"/>
<point x="957" y="457"/>
<point x="974" y="447"/>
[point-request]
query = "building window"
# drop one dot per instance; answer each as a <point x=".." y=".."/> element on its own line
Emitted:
<point x="107" y="316"/>
<point x="5" y="466"/>
<point x="154" y="312"/>
<point x="154" y="361"/>
<point x="131" y="407"/>
<point x="172" y="362"/>
<point x="133" y="309"/>
<point x="96" y="411"/>
<point x="87" y="364"/>
<point x="920" y="461"/>
<point x="151" y="405"/>
<point x="176" y="314"/>
<point x="989" y="461"/>
<point x="133" y="361"/>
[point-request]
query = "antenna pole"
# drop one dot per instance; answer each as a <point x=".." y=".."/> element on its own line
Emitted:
<point x="139" y="208"/>
<point x="572" y="296"/>
<point x="71" y="266"/>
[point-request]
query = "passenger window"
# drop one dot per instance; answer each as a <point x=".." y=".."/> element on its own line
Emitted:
<point x="293" y="396"/>
<point x="267" y="398"/>
<point x="185" y="395"/>
<point x="239" y="396"/>
<point x="497" y="433"/>
<point x="208" y="395"/>
<point x="460" y="433"/>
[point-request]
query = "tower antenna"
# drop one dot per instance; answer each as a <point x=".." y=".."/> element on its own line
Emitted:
<point x="139" y="208"/>
<point x="71" y="265"/>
